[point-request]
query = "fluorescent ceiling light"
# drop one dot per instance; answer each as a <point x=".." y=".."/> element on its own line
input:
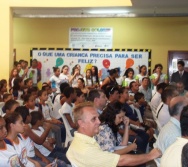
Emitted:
<point x="108" y="11"/>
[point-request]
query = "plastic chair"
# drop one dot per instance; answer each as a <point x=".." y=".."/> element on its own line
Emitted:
<point x="2" y="104"/>
<point x="20" y="102"/>
<point x="69" y="137"/>
<point x="73" y="165"/>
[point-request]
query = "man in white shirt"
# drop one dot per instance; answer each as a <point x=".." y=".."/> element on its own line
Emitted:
<point x="162" y="113"/>
<point x="171" y="130"/>
<point x="172" y="156"/>
<point x="156" y="99"/>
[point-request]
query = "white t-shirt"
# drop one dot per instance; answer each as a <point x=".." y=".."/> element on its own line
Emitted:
<point x="9" y="156"/>
<point x="139" y="77"/>
<point x="128" y="81"/>
<point x="46" y="112"/>
<point x="74" y="81"/>
<point x="29" y="144"/>
<point x="55" y="83"/>
<point x="32" y="75"/>
<point x="35" y="109"/>
<point x="22" y="153"/>
<point x="63" y="78"/>
<point x="163" y="114"/>
<point x="67" y="109"/>
<point x="41" y="148"/>
<point x="56" y="106"/>
<point x="88" y="82"/>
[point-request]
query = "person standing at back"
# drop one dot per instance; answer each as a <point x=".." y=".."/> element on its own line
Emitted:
<point x="181" y="74"/>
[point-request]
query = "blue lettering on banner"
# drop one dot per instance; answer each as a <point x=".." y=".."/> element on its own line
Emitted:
<point x="102" y="55"/>
<point x="89" y="61"/>
<point x="39" y="53"/>
<point x="77" y="55"/>
<point x="136" y="56"/>
<point x="121" y="55"/>
<point x="47" y="53"/>
<point x="60" y="54"/>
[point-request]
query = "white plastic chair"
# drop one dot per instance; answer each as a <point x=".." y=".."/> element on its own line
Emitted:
<point x="20" y="102"/>
<point x="1" y="106"/>
<point x="73" y="165"/>
<point x="69" y="137"/>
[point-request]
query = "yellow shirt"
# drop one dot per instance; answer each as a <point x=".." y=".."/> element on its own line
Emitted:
<point x="84" y="151"/>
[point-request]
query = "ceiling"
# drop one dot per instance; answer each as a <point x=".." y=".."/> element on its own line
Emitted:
<point x="139" y="8"/>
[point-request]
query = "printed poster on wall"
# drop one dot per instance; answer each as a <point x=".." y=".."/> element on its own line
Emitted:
<point x="94" y="37"/>
<point x="104" y="60"/>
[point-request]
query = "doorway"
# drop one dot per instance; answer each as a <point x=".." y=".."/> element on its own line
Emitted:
<point x="173" y="58"/>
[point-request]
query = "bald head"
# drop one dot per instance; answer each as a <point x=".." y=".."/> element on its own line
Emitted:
<point x="176" y="105"/>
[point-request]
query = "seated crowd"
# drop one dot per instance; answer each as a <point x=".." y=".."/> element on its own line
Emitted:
<point x="79" y="121"/>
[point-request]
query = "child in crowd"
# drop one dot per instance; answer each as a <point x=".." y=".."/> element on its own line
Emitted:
<point x="142" y="74"/>
<point x="75" y="75"/>
<point x="13" y="75"/>
<point x="6" y="97"/>
<point x="80" y="97"/>
<point x="28" y="83"/>
<point x="48" y="89"/>
<point x="58" y="101"/>
<point x="10" y="106"/>
<point x="29" y="102"/>
<point x="34" y="91"/>
<point x="18" y="89"/>
<point x="67" y="108"/>
<point x="29" y="137"/>
<point x="81" y="85"/>
<point x="3" y="88"/>
<point x="64" y="76"/>
<point x="47" y="148"/>
<point x="95" y="77"/>
<point x="15" y="125"/>
<point x="129" y="74"/>
<point x="58" y="127"/>
<point x="88" y="80"/>
<point x="8" y="154"/>
<point x="55" y="80"/>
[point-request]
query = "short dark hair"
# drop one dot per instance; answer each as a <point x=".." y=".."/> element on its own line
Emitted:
<point x="23" y="111"/>
<point x="131" y="84"/>
<point x="26" y="97"/>
<point x="35" y="116"/>
<point x="40" y="92"/>
<point x="138" y="96"/>
<point x="110" y="90"/>
<point x="181" y="62"/>
<point x="158" y="65"/>
<point x="33" y="89"/>
<point x="112" y="71"/>
<point x="184" y="121"/>
<point x="94" y="94"/>
<point x="6" y="95"/>
<point x="9" y="104"/>
<point x="122" y="89"/>
<point x="184" y="156"/>
<point x="78" y="92"/>
<point x="162" y="86"/>
<point x="167" y="93"/>
<point x="63" y="86"/>
<point x="68" y="91"/>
